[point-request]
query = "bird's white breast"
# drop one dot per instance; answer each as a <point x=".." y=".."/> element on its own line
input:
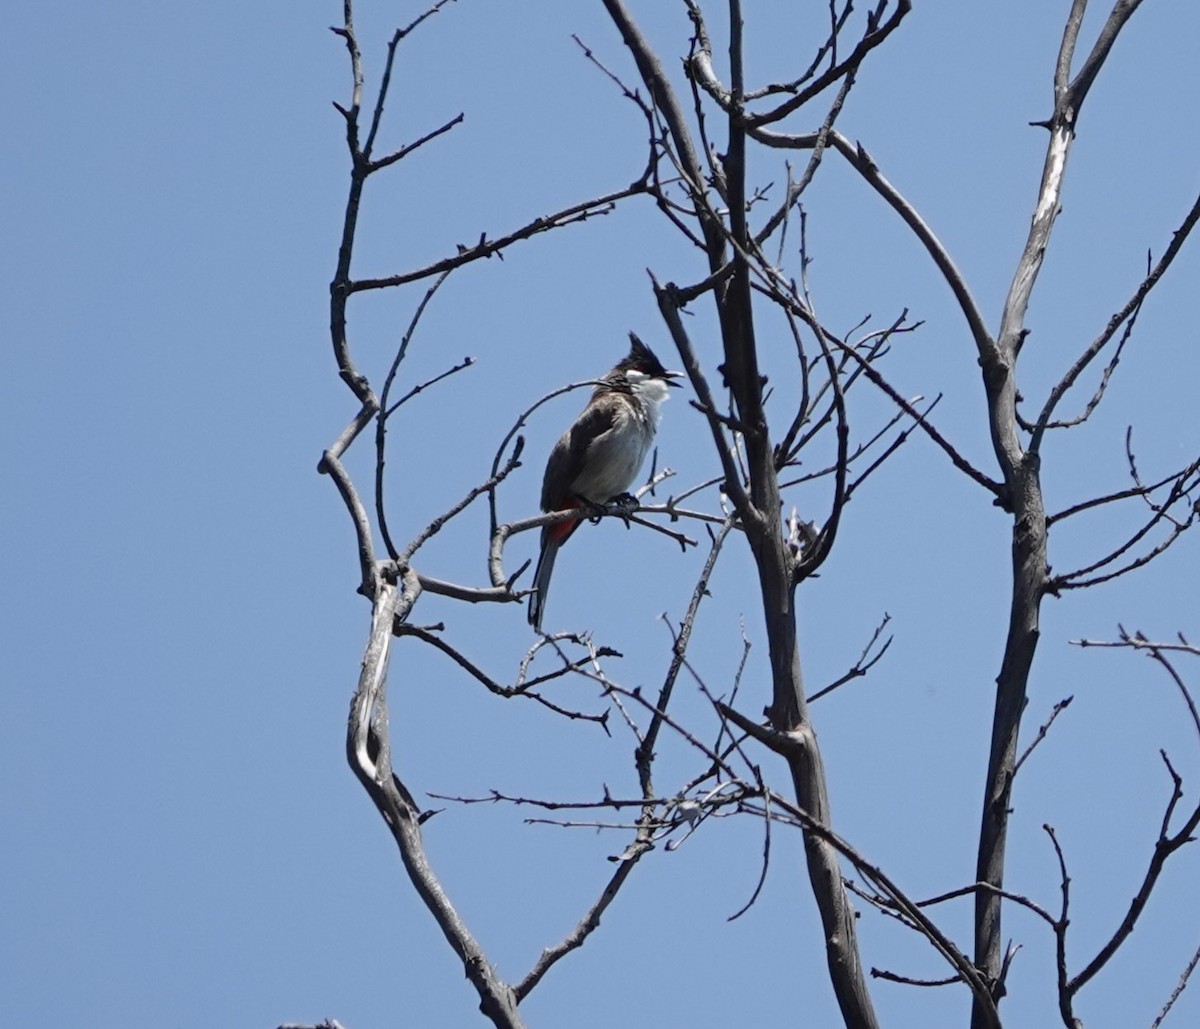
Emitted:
<point x="616" y="456"/>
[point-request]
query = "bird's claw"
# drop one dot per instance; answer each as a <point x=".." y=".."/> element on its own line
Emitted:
<point x="622" y="505"/>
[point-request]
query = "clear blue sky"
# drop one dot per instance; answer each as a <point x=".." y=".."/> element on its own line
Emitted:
<point x="183" y="844"/>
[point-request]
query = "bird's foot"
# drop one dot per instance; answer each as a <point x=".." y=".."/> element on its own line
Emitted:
<point x="625" y="502"/>
<point x="624" y="505"/>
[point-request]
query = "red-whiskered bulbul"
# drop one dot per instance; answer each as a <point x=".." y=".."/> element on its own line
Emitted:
<point x="598" y="457"/>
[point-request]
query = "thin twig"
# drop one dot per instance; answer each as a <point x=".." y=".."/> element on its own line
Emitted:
<point x="1044" y="728"/>
<point x="1179" y="988"/>
<point x="864" y="663"/>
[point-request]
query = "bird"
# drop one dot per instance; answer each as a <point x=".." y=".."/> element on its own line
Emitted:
<point x="597" y="459"/>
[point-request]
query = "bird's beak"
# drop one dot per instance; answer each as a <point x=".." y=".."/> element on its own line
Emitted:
<point x="672" y="376"/>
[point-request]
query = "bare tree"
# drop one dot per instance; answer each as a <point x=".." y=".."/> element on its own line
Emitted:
<point x="809" y="444"/>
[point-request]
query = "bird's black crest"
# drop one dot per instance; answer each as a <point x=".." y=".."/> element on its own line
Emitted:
<point x="641" y="358"/>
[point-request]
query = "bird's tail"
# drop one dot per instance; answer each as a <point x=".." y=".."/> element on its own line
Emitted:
<point x="553" y="537"/>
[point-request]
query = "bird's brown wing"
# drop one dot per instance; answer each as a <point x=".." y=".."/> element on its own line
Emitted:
<point x="567" y="457"/>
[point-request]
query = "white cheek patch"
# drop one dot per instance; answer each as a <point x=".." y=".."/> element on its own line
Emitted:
<point x="634" y="376"/>
<point x="652" y="392"/>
